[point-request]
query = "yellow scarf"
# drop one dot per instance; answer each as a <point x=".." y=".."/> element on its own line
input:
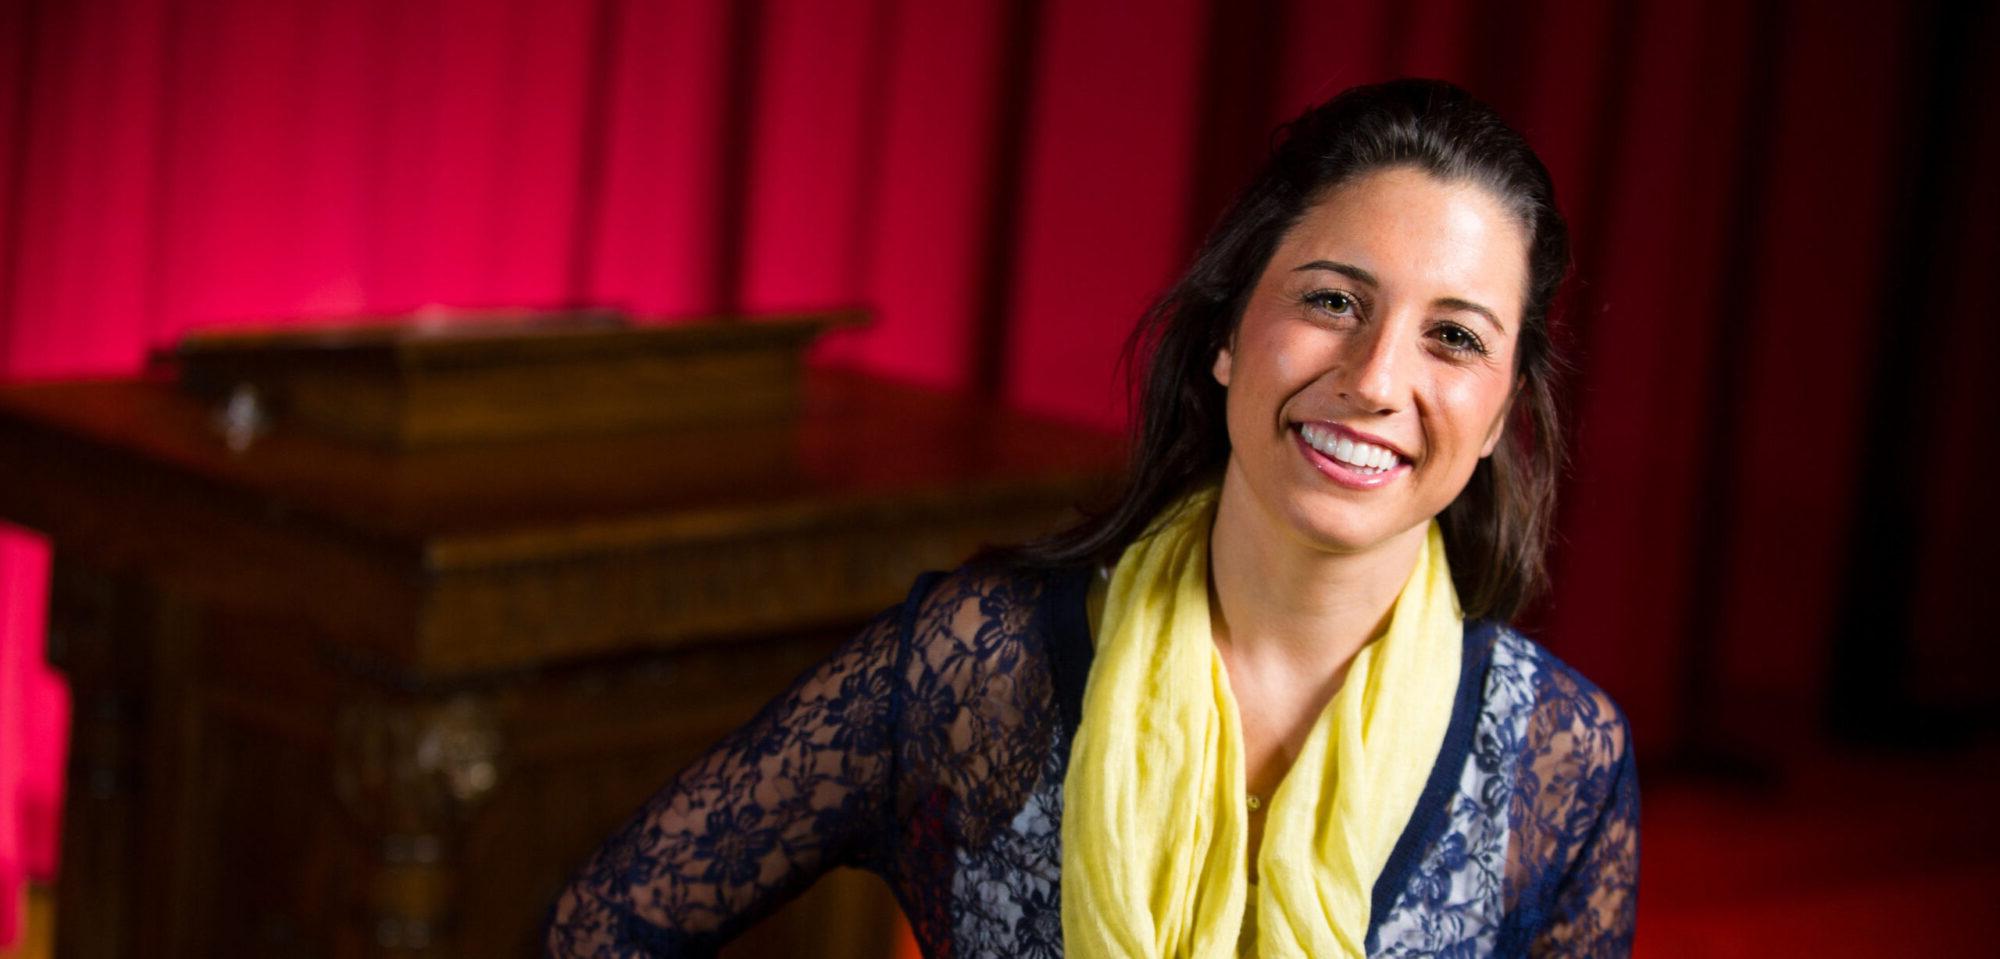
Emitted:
<point x="1155" y="814"/>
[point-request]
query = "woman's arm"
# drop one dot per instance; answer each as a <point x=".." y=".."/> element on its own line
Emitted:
<point x="1595" y="905"/>
<point x="804" y="787"/>
<point x="1574" y="849"/>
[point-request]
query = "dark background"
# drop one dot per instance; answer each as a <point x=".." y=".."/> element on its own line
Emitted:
<point x="1773" y="534"/>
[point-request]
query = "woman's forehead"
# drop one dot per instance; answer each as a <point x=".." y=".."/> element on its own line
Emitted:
<point x="1415" y="234"/>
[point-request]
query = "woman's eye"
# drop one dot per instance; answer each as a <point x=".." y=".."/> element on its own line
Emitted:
<point x="1460" y="339"/>
<point x="1333" y="301"/>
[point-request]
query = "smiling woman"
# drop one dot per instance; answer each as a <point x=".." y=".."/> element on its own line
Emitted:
<point x="1267" y="702"/>
<point x="1371" y="381"/>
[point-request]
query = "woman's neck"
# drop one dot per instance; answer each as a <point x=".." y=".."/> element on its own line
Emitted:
<point x="1280" y="604"/>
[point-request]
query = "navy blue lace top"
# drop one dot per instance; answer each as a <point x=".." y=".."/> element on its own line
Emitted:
<point x="931" y="750"/>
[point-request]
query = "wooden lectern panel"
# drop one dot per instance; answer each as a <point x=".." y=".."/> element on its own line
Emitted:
<point x="333" y="700"/>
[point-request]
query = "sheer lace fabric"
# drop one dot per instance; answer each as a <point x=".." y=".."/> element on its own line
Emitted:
<point x="931" y="750"/>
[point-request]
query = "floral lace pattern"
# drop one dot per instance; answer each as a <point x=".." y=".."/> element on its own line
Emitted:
<point x="1453" y="902"/>
<point x="1010" y="893"/>
<point x="1572" y="881"/>
<point x="931" y="749"/>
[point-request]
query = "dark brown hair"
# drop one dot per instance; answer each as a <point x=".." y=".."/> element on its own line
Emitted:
<point x="1497" y="529"/>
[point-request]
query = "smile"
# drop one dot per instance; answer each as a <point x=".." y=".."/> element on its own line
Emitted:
<point x="1346" y="460"/>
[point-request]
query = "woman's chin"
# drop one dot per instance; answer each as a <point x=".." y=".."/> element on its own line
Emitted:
<point x="1348" y="531"/>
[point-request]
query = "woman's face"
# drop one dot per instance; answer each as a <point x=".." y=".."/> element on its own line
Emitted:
<point x="1373" y="365"/>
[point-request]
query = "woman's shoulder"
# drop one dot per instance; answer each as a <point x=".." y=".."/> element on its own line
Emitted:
<point x="991" y="634"/>
<point x="1566" y="711"/>
<point x="988" y="606"/>
<point x="1563" y="714"/>
<point x="979" y="597"/>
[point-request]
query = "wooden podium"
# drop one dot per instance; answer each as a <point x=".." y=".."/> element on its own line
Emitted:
<point x="342" y="698"/>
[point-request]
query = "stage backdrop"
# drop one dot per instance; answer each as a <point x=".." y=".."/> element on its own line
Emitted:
<point x="1778" y="315"/>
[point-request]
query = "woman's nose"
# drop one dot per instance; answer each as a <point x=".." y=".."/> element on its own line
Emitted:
<point x="1377" y="378"/>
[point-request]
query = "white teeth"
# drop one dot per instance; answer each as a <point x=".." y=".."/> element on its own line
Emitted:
<point x="1365" y="456"/>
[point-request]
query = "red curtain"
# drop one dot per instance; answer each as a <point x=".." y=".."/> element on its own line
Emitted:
<point x="1781" y="219"/>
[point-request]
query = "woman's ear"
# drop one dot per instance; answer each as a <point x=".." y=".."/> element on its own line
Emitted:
<point x="1223" y="359"/>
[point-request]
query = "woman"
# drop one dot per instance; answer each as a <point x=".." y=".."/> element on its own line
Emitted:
<point x="1267" y="703"/>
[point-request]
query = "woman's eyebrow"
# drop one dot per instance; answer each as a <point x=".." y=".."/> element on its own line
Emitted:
<point x="1360" y="275"/>
<point x="1454" y="303"/>
<point x="1348" y="270"/>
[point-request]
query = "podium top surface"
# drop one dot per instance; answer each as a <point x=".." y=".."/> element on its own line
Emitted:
<point x="859" y="443"/>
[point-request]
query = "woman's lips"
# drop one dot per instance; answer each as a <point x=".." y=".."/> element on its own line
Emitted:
<point x="1313" y="440"/>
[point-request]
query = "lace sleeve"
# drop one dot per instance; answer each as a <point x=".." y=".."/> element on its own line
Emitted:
<point x="1596" y="905"/>
<point x="1579" y="838"/>
<point x="804" y="787"/>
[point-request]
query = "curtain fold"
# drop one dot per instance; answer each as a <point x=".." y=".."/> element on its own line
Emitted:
<point x="1007" y="185"/>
